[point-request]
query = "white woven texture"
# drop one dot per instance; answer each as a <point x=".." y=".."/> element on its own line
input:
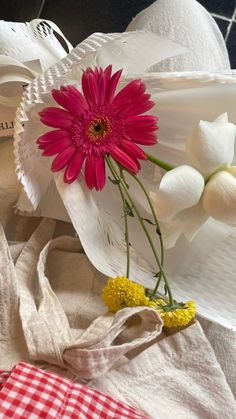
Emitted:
<point x="188" y="23"/>
<point x="212" y="283"/>
<point x="26" y="49"/>
<point x="30" y="41"/>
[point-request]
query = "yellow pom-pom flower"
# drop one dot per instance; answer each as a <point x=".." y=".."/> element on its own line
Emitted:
<point x="179" y="315"/>
<point x="154" y="303"/>
<point x="120" y="292"/>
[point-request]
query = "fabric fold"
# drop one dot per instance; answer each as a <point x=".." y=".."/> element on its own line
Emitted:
<point x="177" y="377"/>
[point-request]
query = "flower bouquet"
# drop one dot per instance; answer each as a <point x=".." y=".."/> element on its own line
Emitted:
<point x="130" y="198"/>
<point x="96" y="129"/>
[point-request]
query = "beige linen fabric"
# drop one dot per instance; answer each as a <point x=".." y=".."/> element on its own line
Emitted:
<point x="12" y="342"/>
<point x="178" y="377"/>
<point x="45" y="334"/>
<point x="51" y="314"/>
<point x="9" y="185"/>
<point x="223" y="341"/>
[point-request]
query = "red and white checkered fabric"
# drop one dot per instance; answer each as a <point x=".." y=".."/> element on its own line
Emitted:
<point x="30" y="393"/>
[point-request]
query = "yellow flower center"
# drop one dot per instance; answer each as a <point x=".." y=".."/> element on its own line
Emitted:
<point x="98" y="129"/>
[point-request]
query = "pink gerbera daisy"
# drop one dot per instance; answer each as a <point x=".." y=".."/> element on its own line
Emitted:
<point x="96" y="124"/>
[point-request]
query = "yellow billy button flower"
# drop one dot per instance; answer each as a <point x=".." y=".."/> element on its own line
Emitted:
<point x="154" y="303"/>
<point x="120" y="292"/>
<point x="180" y="314"/>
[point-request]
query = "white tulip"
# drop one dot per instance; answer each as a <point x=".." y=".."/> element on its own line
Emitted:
<point x="206" y="187"/>
<point x="219" y="197"/>
<point x="180" y="188"/>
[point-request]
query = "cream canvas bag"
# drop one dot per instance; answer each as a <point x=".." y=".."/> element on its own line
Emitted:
<point x="34" y="325"/>
<point x="52" y="315"/>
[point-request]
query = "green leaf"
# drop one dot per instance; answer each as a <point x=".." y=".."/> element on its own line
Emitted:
<point x="156" y="275"/>
<point x="158" y="231"/>
<point x="149" y="221"/>
<point x="128" y="209"/>
<point x="114" y="181"/>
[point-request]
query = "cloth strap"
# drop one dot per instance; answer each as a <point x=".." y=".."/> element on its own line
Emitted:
<point x="46" y="329"/>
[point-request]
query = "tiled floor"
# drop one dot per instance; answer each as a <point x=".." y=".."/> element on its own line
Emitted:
<point x="224" y="13"/>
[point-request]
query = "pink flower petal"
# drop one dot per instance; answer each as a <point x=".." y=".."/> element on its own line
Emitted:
<point x="89" y="172"/>
<point x="57" y="146"/>
<point x="139" y="132"/>
<point x="132" y="99"/>
<point x="102" y="88"/>
<point x="93" y="88"/>
<point x="56" y="118"/>
<point x="145" y="121"/>
<point x="72" y="91"/>
<point x="51" y="136"/>
<point x="144" y="139"/>
<point x="107" y="72"/>
<point x="138" y="105"/>
<point x="69" y="101"/>
<point x="96" y="74"/>
<point x="127" y="93"/>
<point x="138" y="164"/>
<point x="121" y="157"/>
<point x="112" y="85"/>
<point x="86" y="88"/>
<point x="63" y="158"/>
<point x="133" y="150"/>
<point x="139" y="129"/>
<point x="74" y="167"/>
<point x="100" y="170"/>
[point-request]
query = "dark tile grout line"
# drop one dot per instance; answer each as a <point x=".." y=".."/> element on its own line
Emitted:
<point x="227" y="19"/>
<point x="40" y="11"/>
<point x="230" y="25"/>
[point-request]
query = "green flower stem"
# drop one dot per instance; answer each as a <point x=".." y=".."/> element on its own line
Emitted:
<point x="132" y="203"/>
<point x="159" y="163"/>
<point x="126" y="233"/>
<point x="154" y="293"/>
<point x="153" y="214"/>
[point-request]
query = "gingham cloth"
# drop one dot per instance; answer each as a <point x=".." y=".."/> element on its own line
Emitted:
<point x="31" y="393"/>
